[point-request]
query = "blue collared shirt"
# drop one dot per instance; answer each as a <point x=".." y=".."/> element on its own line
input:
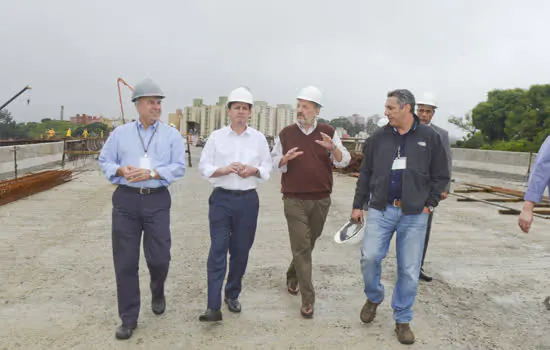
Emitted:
<point x="540" y="175"/>
<point x="123" y="147"/>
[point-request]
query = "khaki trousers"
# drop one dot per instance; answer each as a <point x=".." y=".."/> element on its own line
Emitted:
<point x="305" y="219"/>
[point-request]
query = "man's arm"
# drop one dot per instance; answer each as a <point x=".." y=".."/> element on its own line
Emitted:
<point x="540" y="174"/>
<point x="447" y="145"/>
<point x="176" y="169"/>
<point x="277" y="157"/>
<point x="340" y="156"/>
<point x="365" y="171"/>
<point x="206" y="163"/>
<point x="439" y="171"/>
<point x="108" y="158"/>
<point x="266" y="164"/>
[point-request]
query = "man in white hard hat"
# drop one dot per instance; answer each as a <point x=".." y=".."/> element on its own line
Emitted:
<point x="425" y="110"/>
<point x="143" y="158"/>
<point x="305" y="153"/>
<point x="235" y="160"/>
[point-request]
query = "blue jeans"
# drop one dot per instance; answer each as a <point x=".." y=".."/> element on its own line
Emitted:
<point x="411" y="232"/>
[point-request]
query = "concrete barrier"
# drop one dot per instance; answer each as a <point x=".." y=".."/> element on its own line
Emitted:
<point x="29" y="158"/>
<point x="510" y="165"/>
<point x="514" y="166"/>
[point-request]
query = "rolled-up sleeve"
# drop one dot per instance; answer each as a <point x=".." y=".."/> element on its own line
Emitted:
<point x="206" y="163"/>
<point x="540" y="175"/>
<point x="346" y="156"/>
<point x="276" y="155"/>
<point x="108" y="157"/>
<point x="265" y="161"/>
<point x="176" y="169"/>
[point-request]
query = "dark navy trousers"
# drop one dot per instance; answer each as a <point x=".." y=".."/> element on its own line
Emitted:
<point x="134" y="213"/>
<point x="233" y="219"/>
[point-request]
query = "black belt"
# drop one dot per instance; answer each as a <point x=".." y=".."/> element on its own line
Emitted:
<point x="234" y="192"/>
<point x="143" y="190"/>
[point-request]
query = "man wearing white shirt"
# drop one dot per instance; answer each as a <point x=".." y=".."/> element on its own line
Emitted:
<point x="235" y="160"/>
<point x="304" y="153"/>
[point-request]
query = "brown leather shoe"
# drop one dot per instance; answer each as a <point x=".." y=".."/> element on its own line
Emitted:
<point x="404" y="333"/>
<point x="368" y="312"/>
<point x="307" y="310"/>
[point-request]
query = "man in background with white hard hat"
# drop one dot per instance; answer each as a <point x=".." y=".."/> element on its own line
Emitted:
<point x="143" y="158"/>
<point x="235" y="160"/>
<point x="304" y="153"/>
<point x="425" y="110"/>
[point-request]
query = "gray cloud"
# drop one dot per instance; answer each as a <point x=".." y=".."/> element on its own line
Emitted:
<point x="72" y="52"/>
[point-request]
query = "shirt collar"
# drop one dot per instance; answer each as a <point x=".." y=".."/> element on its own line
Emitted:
<point x="310" y="129"/>
<point x="230" y="130"/>
<point x="140" y="125"/>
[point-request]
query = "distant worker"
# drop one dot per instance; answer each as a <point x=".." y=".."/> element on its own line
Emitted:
<point x="425" y="111"/>
<point x="235" y="160"/>
<point x="68" y="134"/>
<point x="143" y="158"/>
<point x="304" y="153"/>
<point x="538" y="181"/>
<point x="85" y="133"/>
<point x="402" y="175"/>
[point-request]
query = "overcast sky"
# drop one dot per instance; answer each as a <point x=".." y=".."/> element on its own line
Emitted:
<point x="72" y="51"/>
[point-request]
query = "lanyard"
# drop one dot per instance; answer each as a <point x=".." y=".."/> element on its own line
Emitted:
<point x="141" y="139"/>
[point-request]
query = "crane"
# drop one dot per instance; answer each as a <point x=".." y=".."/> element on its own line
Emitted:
<point x="28" y="87"/>
<point x="120" y="80"/>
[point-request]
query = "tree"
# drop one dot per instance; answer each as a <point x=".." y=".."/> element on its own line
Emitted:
<point x="9" y="129"/>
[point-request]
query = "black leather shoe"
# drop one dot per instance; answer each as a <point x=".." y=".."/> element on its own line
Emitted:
<point x="233" y="305"/>
<point x="425" y="277"/>
<point x="158" y="305"/>
<point x="124" y="332"/>
<point x="211" y="316"/>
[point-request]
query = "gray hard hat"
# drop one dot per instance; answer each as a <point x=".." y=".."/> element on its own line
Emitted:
<point x="146" y="88"/>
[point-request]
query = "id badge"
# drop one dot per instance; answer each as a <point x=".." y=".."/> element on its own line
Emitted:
<point x="145" y="163"/>
<point x="399" y="164"/>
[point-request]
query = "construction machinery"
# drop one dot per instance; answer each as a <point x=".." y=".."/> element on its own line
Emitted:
<point x="28" y="87"/>
<point x="119" y="81"/>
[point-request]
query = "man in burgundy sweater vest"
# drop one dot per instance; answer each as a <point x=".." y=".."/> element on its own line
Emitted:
<point x="304" y="154"/>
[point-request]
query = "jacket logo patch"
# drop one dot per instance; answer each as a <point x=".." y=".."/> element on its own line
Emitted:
<point x="422" y="143"/>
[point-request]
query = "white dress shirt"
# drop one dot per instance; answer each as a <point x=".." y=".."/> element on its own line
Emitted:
<point x="277" y="152"/>
<point x="225" y="146"/>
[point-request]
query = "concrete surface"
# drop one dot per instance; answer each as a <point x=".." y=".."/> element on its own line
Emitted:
<point x="58" y="288"/>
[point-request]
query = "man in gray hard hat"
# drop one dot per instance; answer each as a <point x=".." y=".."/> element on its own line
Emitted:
<point x="425" y="110"/>
<point x="142" y="158"/>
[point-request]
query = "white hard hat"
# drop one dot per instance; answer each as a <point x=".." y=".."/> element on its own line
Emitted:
<point x="427" y="99"/>
<point x="146" y="88"/>
<point x="310" y="93"/>
<point x="352" y="232"/>
<point x="241" y="94"/>
<point x="382" y="121"/>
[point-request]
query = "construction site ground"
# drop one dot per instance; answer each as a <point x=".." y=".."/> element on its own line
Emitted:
<point x="57" y="287"/>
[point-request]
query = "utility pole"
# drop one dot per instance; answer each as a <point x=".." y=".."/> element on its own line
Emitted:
<point x="62" y="108"/>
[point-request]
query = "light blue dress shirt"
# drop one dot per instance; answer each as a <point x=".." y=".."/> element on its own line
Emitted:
<point x="540" y="175"/>
<point x="166" y="153"/>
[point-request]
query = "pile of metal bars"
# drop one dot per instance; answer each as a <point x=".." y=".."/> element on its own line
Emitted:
<point x="14" y="189"/>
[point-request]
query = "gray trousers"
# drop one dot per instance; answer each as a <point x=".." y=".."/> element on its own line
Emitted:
<point x="134" y="213"/>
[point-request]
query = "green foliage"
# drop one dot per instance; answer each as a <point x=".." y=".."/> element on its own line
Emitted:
<point x="343" y="122"/>
<point x="9" y="129"/>
<point x="510" y="120"/>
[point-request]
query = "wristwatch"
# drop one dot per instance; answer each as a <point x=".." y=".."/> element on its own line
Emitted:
<point x="152" y="174"/>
